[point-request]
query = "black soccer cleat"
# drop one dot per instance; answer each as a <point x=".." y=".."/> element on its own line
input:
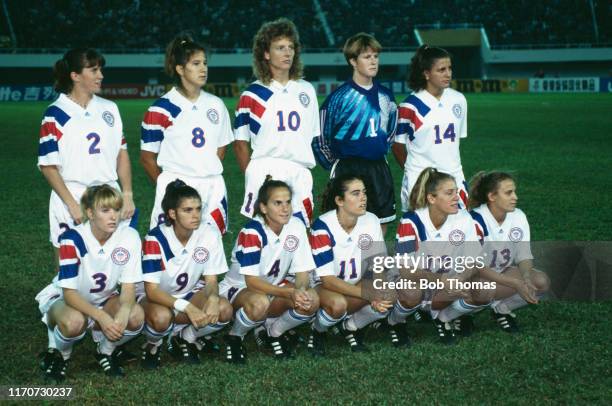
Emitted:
<point x="280" y="346"/>
<point x="53" y="366"/>
<point x="295" y="339"/>
<point x="445" y="331"/>
<point x="354" y="338"/>
<point x="206" y="345"/>
<point x="123" y="356"/>
<point x="109" y="365"/>
<point x="398" y="333"/>
<point x="151" y="356"/>
<point x="184" y="351"/>
<point x="235" y="352"/>
<point x="316" y="343"/>
<point x="464" y="325"/>
<point x="507" y="322"/>
<point x="422" y="316"/>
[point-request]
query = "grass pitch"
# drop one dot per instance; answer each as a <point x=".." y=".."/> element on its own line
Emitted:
<point x="557" y="145"/>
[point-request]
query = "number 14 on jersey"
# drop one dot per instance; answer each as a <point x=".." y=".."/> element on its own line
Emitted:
<point x="449" y="134"/>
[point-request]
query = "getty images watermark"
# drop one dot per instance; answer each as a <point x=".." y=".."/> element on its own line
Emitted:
<point x="443" y="265"/>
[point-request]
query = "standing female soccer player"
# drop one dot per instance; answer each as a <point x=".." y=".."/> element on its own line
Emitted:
<point x="184" y="134"/>
<point x="278" y="114"/>
<point x="432" y="121"/>
<point x="506" y="234"/>
<point x="95" y="257"/>
<point x="358" y="123"/>
<point x="340" y="241"/>
<point x="177" y="257"/>
<point x="443" y="241"/>
<point x="271" y="251"/>
<point x="81" y="141"/>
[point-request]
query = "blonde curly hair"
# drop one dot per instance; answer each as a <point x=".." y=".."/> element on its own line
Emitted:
<point x="267" y="33"/>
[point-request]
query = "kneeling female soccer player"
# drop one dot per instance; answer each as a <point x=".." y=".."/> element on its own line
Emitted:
<point x="95" y="258"/>
<point x="181" y="261"/>
<point x="268" y="281"/>
<point x="446" y="248"/>
<point x="339" y="239"/>
<point x="506" y="235"/>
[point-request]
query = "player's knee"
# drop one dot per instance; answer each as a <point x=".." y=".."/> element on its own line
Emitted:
<point x="257" y="307"/>
<point x="73" y="324"/>
<point x="541" y="281"/>
<point x="225" y="310"/>
<point x="136" y="317"/>
<point x="159" y="320"/>
<point x="481" y="297"/>
<point x="336" y="307"/>
<point x="410" y="298"/>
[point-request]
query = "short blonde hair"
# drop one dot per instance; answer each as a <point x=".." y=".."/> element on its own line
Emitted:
<point x="101" y="196"/>
<point x="359" y="43"/>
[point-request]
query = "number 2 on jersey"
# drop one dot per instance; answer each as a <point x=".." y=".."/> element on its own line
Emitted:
<point x="449" y="134"/>
<point x="293" y="121"/>
<point x="93" y="148"/>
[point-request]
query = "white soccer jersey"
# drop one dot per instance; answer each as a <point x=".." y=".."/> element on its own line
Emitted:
<point x="279" y="121"/>
<point x="260" y="252"/>
<point x="82" y="143"/>
<point x="186" y="135"/>
<point x="431" y="130"/>
<point x="338" y="253"/>
<point x="96" y="270"/>
<point x="505" y="244"/>
<point x="458" y="237"/>
<point x="177" y="268"/>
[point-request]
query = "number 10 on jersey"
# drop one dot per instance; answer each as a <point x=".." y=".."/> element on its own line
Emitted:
<point x="293" y="121"/>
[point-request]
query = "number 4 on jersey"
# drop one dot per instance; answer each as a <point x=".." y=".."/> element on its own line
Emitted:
<point x="449" y="134"/>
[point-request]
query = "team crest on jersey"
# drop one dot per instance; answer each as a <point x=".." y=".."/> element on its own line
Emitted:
<point x="364" y="241"/>
<point x="291" y="243"/>
<point x="304" y="99"/>
<point x="456" y="237"/>
<point x="108" y="118"/>
<point x="457" y="110"/>
<point x="200" y="255"/>
<point x="213" y="116"/>
<point x="120" y="256"/>
<point x="515" y="234"/>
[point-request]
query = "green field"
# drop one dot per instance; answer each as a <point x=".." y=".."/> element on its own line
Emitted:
<point x="558" y="146"/>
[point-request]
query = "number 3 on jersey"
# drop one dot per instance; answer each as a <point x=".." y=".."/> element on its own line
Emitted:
<point x="198" y="140"/>
<point x="449" y="134"/>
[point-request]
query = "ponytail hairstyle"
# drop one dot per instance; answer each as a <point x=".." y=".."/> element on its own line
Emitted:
<point x="176" y="192"/>
<point x="336" y="187"/>
<point x="427" y="183"/>
<point x="74" y="61"/>
<point x="268" y="33"/>
<point x="100" y="196"/>
<point x="263" y="196"/>
<point x="484" y="183"/>
<point x="423" y="60"/>
<point x="178" y="52"/>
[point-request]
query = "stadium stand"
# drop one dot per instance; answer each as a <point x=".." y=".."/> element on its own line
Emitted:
<point x="148" y="25"/>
